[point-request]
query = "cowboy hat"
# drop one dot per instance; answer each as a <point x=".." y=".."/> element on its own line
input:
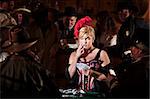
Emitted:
<point x="18" y="40"/>
<point x="141" y="39"/>
<point x="70" y="11"/>
<point x="23" y="9"/>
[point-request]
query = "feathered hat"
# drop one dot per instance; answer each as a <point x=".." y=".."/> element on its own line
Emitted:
<point x="86" y="21"/>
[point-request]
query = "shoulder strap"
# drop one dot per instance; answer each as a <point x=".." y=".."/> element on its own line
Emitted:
<point x="98" y="55"/>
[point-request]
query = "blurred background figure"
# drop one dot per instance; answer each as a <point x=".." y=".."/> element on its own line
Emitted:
<point x="105" y="30"/>
<point x="43" y="25"/>
<point x="69" y="20"/>
<point x="36" y="25"/>
<point x="130" y="22"/>
<point x="133" y="73"/>
<point x="6" y="21"/>
<point x="106" y="36"/>
<point x="124" y="10"/>
<point x="21" y="74"/>
<point x="51" y="40"/>
<point x="4" y="4"/>
<point x="22" y="16"/>
<point x="5" y="17"/>
<point x="67" y="42"/>
<point x="11" y="6"/>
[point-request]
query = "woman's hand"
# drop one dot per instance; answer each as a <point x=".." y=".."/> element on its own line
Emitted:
<point x="90" y="72"/>
<point x="86" y="72"/>
<point x="80" y="50"/>
<point x="97" y="75"/>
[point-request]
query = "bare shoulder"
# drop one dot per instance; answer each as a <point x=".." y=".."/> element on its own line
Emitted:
<point x="103" y="52"/>
<point x="72" y="56"/>
<point x="104" y="57"/>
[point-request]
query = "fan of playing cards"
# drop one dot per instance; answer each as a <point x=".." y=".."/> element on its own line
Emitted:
<point x="82" y="66"/>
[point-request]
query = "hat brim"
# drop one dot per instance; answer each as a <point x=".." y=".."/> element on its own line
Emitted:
<point x="6" y="26"/>
<point x="23" y="9"/>
<point x="17" y="47"/>
<point x="142" y="46"/>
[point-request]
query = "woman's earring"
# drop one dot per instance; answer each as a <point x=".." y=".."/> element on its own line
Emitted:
<point x="93" y="41"/>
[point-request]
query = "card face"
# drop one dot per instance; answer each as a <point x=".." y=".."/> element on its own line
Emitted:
<point x="82" y="66"/>
<point x="3" y="56"/>
<point x="73" y="46"/>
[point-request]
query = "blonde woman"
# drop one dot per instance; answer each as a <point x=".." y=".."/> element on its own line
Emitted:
<point x="88" y="66"/>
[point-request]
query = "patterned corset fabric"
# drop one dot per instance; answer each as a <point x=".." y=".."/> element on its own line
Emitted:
<point x="87" y="82"/>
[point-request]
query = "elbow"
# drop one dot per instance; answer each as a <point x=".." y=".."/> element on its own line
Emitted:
<point x="106" y="62"/>
<point x="71" y="72"/>
<point x="102" y="77"/>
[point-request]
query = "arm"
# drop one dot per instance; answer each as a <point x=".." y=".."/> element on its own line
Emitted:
<point x="104" y="57"/>
<point x="73" y="60"/>
<point x="106" y="61"/>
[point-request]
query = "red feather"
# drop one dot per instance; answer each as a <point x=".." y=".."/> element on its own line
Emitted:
<point x="81" y="23"/>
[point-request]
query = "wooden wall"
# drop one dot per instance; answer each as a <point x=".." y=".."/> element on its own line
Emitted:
<point x="94" y="5"/>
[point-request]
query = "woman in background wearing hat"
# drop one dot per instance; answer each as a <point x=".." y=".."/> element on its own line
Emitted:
<point x="92" y="76"/>
<point x="21" y="73"/>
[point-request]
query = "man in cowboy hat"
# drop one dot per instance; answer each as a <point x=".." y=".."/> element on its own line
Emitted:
<point x="21" y="73"/>
<point x="5" y="17"/>
<point x="133" y="75"/>
<point x="4" y="4"/>
<point x="70" y="18"/>
<point x="22" y="16"/>
<point x="6" y="20"/>
<point x="126" y="16"/>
